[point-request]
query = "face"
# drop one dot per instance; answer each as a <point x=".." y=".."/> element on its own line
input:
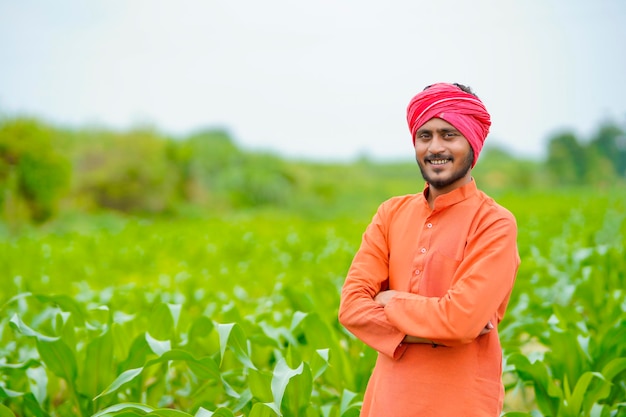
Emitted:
<point x="443" y="154"/>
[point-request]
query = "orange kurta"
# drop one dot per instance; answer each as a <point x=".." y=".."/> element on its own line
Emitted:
<point x="456" y="264"/>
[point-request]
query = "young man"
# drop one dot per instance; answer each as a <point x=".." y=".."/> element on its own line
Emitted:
<point x="434" y="273"/>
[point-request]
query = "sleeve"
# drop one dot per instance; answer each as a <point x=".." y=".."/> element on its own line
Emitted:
<point x="481" y="288"/>
<point x="367" y="276"/>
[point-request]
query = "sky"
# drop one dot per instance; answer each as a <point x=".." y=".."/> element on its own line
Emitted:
<point x="322" y="80"/>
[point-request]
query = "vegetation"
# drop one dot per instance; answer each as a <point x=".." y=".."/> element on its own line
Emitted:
<point x="186" y="277"/>
<point x="47" y="171"/>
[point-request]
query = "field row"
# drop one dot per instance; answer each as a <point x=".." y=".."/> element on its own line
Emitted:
<point x="219" y="317"/>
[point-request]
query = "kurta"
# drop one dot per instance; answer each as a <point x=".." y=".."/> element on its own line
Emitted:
<point x="456" y="265"/>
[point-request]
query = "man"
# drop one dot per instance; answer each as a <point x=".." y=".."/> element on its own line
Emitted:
<point x="434" y="273"/>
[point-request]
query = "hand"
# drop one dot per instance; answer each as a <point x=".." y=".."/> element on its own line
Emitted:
<point x="488" y="327"/>
<point x="383" y="297"/>
<point x="414" y="339"/>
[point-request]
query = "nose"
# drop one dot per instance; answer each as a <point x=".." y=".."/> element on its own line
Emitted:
<point x="436" y="145"/>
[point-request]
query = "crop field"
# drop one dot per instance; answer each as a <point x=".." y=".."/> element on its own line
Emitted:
<point x="237" y="316"/>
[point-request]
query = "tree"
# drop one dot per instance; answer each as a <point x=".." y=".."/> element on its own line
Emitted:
<point x="610" y="143"/>
<point x="567" y="161"/>
<point x="499" y="169"/>
<point x="33" y="175"/>
<point x="129" y="172"/>
<point x="216" y="174"/>
<point x="203" y="160"/>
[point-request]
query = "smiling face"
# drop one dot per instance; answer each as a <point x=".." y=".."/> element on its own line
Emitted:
<point x="444" y="156"/>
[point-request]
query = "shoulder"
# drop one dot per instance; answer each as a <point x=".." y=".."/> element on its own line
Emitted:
<point x="397" y="208"/>
<point x="493" y="210"/>
<point x="402" y="202"/>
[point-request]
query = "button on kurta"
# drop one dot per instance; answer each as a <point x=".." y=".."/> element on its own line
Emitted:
<point x="429" y="225"/>
<point x="423" y="250"/>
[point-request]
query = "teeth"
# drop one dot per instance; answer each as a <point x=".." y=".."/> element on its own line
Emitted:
<point x="438" y="161"/>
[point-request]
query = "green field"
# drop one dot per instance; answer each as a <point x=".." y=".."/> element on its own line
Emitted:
<point x="236" y="315"/>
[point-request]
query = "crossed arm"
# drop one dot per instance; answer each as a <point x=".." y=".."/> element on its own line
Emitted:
<point x="385" y="319"/>
<point x="384" y="296"/>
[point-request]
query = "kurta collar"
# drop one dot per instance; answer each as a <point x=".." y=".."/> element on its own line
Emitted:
<point x="455" y="196"/>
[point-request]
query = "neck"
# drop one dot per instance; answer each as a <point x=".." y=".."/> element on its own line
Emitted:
<point x="434" y="192"/>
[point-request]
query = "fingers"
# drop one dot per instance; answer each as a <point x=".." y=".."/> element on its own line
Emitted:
<point x="488" y="327"/>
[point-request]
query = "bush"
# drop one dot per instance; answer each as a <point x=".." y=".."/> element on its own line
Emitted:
<point x="217" y="174"/>
<point x="33" y="174"/>
<point x="129" y="172"/>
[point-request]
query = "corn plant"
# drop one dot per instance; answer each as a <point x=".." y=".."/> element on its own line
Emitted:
<point x="578" y="318"/>
<point x="238" y="316"/>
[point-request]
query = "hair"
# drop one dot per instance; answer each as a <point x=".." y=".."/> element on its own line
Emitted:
<point x="463" y="87"/>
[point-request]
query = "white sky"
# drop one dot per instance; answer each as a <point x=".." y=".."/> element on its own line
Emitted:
<point x="320" y="79"/>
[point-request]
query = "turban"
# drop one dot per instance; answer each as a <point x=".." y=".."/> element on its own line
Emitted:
<point x="448" y="102"/>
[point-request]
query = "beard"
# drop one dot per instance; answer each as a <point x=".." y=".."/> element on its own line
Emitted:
<point x="440" y="183"/>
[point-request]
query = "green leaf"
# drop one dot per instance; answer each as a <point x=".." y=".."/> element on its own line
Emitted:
<point x="220" y="412"/>
<point x="175" y="310"/>
<point x="231" y="336"/>
<point x="614" y="368"/>
<point x="352" y="412"/>
<point x="264" y="410"/>
<point x="586" y="394"/>
<point x="33" y="406"/>
<point x="122" y="379"/>
<point x="161" y="324"/>
<point x="203" y="412"/>
<point x="298" y="393"/>
<point x="99" y="318"/>
<point x="138" y="352"/>
<point x="204" y="368"/>
<point x="6" y="411"/>
<point x="38" y="385"/>
<point x="21" y="327"/>
<point x="59" y="358"/>
<point x="319" y="362"/>
<point x="599" y="410"/>
<point x="30" y="402"/>
<point x="297" y="318"/>
<point x="347" y="402"/>
<point x="223" y="330"/>
<point x="260" y="383"/>
<point x="241" y="400"/>
<point x="159" y="347"/>
<point x="97" y="369"/>
<point x="280" y="379"/>
<point x="65" y="303"/>
<point x="123" y="407"/>
<point x="21" y="366"/>
<point x="168" y="412"/>
<point x="201" y="327"/>
<point x="17" y="297"/>
<point x="223" y="412"/>
<point x="548" y="395"/>
<point x="329" y="410"/>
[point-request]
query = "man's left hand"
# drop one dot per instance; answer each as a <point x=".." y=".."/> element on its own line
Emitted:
<point x="383" y="297"/>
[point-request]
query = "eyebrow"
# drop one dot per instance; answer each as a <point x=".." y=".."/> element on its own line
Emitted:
<point x="442" y="130"/>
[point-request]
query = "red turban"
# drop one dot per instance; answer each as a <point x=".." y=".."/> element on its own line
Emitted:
<point x="448" y="102"/>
